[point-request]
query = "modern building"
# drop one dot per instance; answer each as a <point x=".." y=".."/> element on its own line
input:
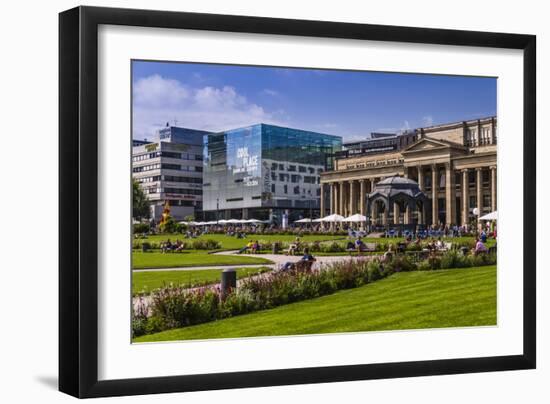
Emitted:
<point x="169" y="168"/>
<point x="139" y="142"/>
<point x="378" y="143"/>
<point x="455" y="166"/>
<point x="265" y="172"/>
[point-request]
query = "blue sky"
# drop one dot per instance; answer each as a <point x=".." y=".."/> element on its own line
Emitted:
<point x="346" y="103"/>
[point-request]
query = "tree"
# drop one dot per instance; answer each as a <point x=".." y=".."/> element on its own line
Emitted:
<point x="140" y="203"/>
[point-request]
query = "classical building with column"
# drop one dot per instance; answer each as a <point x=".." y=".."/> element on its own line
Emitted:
<point x="454" y="164"/>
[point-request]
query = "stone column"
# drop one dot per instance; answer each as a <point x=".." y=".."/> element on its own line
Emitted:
<point x="465" y="197"/>
<point x="493" y="189"/>
<point x="372" y="183"/>
<point x="435" y="187"/>
<point x="362" y="196"/>
<point x="395" y="213"/>
<point x="479" y="189"/>
<point x="373" y="213"/>
<point x="385" y="215"/>
<point x="450" y="195"/>
<point x="341" y="195"/>
<point x="407" y="219"/>
<point x="420" y="177"/>
<point x="352" y="198"/>
<point x="420" y="213"/>
<point x="331" y="205"/>
<point x="322" y="201"/>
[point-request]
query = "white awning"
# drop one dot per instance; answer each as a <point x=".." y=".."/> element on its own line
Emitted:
<point x="332" y="218"/>
<point x="356" y="218"/>
<point x="490" y="216"/>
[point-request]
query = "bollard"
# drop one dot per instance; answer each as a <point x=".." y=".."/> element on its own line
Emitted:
<point x="229" y="281"/>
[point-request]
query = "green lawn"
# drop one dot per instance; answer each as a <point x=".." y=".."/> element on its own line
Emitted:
<point x="149" y="280"/>
<point x="412" y="300"/>
<point x="141" y="260"/>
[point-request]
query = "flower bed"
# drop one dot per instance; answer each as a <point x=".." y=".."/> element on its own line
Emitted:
<point x="179" y="307"/>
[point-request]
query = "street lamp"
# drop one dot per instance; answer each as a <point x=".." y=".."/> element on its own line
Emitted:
<point x="217" y="211"/>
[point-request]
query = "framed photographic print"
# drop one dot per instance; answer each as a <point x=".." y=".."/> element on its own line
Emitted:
<point x="251" y="201"/>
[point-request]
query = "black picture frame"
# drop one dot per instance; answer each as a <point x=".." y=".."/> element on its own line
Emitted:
<point x="78" y="201"/>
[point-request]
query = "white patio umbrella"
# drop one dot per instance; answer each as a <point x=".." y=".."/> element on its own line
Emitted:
<point x="233" y="221"/>
<point x="223" y="221"/>
<point x="333" y="218"/>
<point x="355" y="218"/>
<point x="252" y="221"/>
<point x="489" y="216"/>
<point x="304" y="220"/>
<point x="318" y="220"/>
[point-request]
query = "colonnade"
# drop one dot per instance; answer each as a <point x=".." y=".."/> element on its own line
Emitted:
<point x="348" y="196"/>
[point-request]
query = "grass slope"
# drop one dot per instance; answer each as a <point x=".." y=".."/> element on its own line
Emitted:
<point x="142" y="260"/>
<point x="427" y="299"/>
<point x="149" y="280"/>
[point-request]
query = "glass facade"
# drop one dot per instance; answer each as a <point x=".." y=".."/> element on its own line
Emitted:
<point x="265" y="167"/>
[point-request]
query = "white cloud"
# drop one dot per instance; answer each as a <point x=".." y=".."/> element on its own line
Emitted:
<point x="427" y="120"/>
<point x="269" y="91"/>
<point x="158" y="100"/>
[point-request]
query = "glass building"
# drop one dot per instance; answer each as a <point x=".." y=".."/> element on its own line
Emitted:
<point x="265" y="172"/>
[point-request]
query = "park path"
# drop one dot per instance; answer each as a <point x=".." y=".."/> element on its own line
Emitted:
<point x="277" y="259"/>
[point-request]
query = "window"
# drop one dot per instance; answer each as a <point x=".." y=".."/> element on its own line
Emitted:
<point x="173" y="178"/>
<point x="273" y="166"/>
<point x="285" y="189"/>
<point x="273" y="176"/>
<point x="182" y="191"/>
<point x="167" y="166"/>
<point x="295" y="178"/>
<point x="169" y="154"/>
<point x="485" y="175"/>
<point x="198" y="157"/>
<point x="291" y="168"/>
<point x="234" y="199"/>
<point x="301" y="169"/>
<point x="198" y="168"/>
<point x="486" y="201"/>
<point x="273" y="188"/>
<point x="296" y="190"/>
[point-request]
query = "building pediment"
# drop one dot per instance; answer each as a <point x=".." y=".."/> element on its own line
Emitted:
<point x="428" y="144"/>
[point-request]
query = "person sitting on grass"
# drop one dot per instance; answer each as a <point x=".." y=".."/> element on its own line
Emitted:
<point x="255" y="247"/>
<point x="307" y="257"/>
<point x="166" y="246"/>
<point x="179" y="246"/>
<point x="247" y="247"/>
<point x="293" y="247"/>
<point x="359" y="245"/>
<point x="480" y="248"/>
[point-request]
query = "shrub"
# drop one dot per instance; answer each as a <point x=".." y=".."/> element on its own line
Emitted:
<point x="140" y="228"/>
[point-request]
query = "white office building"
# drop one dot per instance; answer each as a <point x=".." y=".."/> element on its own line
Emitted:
<point x="169" y="168"/>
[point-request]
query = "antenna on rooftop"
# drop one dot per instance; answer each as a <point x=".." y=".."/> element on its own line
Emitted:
<point x="175" y="122"/>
